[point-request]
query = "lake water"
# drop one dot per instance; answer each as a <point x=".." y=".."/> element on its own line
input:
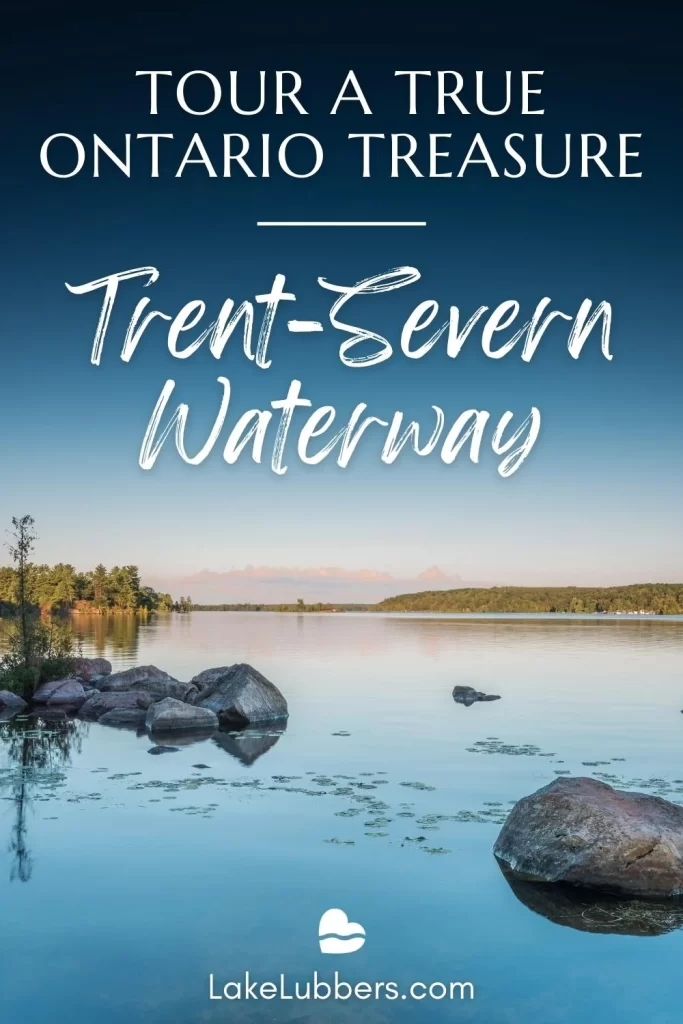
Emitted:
<point x="126" y="879"/>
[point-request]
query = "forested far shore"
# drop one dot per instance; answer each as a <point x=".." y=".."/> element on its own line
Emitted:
<point x="298" y="606"/>
<point x="60" y="588"/>
<point x="651" y="598"/>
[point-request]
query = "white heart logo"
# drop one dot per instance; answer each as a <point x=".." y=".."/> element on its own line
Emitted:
<point x="338" y="934"/>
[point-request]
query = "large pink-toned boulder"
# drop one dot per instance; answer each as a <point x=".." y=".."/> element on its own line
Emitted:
<point x="583" y="832"/>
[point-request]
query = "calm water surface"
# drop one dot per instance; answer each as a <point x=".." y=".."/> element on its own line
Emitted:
<point x="125" y="878"/>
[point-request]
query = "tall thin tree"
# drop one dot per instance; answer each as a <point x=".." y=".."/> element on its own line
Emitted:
<point x="20" y="548"/>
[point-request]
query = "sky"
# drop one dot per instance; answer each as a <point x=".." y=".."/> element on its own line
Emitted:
<point x="597" y="500"/>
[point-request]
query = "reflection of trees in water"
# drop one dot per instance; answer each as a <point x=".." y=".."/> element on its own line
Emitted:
<point x="105" y="634"/>
<point x="108" y="634"/>
<point x="36" y="750"/>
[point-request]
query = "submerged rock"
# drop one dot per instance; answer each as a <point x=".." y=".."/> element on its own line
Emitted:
<point x="99" y="704"/>
<point x="11" y="700"/>
<point x="124" y="716"/>
<point x="89" y="669"/>
<point x="467" y="695"/>
<point x="584" y="832"/>
<point x="601" y="913"/>
<point x="241" y="696"/>
<point x="170" y="714"/>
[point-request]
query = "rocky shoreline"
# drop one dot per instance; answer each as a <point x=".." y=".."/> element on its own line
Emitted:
<point x="576" y="835"/>
<point x="230" y="696"/>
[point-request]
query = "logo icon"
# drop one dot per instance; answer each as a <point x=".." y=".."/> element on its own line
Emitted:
<point x="338" y="934"/>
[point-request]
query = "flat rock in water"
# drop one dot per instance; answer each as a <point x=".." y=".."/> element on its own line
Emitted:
<point x="11" y="700"/>
<point x="584" y="832"/>
<point x="242" y="696"/>
<point x="163" y="749"/>
<point x="123" y="716"/>
<point x="467" y="695"/>
<point x="169" y="714"/>
<point x="89" y="669"/>
<point x="98" y="704"/>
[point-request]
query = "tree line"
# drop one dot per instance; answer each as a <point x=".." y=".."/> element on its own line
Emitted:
<point x="60" y="588"/>
<point x="300" y="606"/>
<point x="654" y="598"/>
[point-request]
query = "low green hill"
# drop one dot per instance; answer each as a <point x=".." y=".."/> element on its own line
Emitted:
<point x="655" y="598"/>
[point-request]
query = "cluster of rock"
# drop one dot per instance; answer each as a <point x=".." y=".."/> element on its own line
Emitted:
<point x="234" y="696"/>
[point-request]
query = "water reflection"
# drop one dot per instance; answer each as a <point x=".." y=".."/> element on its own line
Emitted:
<point x="36" y="750"/>
<point x="179" y="737"/>
<point x="107" y="635"/>
<point x="186" y="644"/>
<point x="606" y="915"/>
<point x="246" y="745"/>
<point x="249" y="744"/>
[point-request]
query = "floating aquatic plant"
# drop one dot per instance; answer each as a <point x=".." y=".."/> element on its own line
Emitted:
<point x="496" y="746"/>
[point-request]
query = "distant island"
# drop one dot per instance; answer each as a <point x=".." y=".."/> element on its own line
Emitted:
<point x="648" y="598"/>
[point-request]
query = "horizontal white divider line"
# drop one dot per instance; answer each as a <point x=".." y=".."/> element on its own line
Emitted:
<point x="341" y="223"/>
<point x="301" y="326"/>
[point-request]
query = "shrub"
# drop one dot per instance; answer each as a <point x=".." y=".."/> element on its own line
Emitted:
<point x="48" y="649"/>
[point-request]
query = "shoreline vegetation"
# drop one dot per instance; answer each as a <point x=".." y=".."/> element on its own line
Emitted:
<point x="631" y="599"/>
<point x="61" y="590"/>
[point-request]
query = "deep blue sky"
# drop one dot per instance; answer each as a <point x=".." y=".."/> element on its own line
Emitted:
<point x="598" y="499"/>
